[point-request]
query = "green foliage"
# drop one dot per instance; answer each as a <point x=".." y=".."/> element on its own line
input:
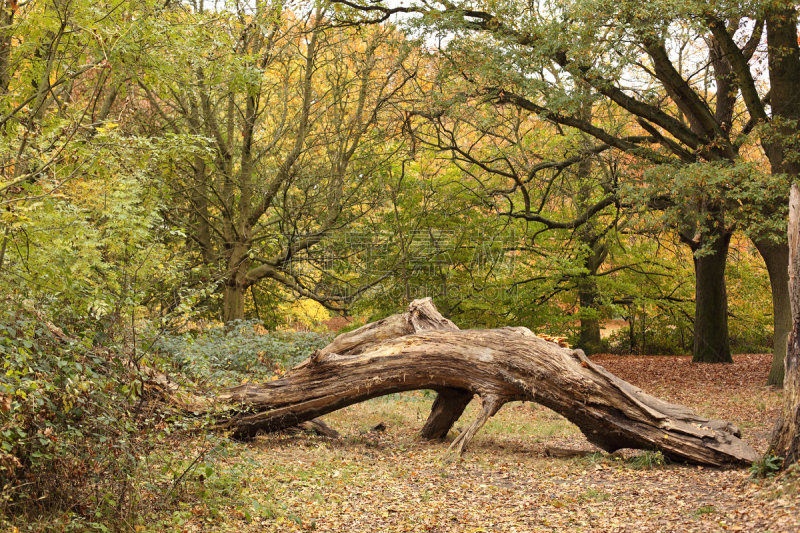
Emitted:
<point x="66" y="430"/>
<point x="82" y="447"/>
<point x="435" y="239"/>
<point x="648" y="460"/>
<point x="225" y="355"/>
<point x="662" y="337"/>
<point x="751" y="325"/>
<point x="754" y="339"/>
<point x="766" y="467"/>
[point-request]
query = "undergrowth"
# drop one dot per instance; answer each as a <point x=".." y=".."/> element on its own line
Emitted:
<point x="87" y="445"/>
<point x="766" y="467"/>
<point x="243" y="350"/>
<point x="648" y="460"/>
<point x="70" y="414"/>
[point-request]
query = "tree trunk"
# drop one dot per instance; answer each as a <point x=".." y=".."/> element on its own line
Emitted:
<point x="236" y="284"/>
<point x="786" y="435"/>
<point x="593" y="237"/>
<point x="711" y="342"/>
<point x="784" y="73"/>
<point x="589" y="339"/>
<point x="233" y="302"/>
<point x="421" y="349"/>
<point x="776" y="258"/>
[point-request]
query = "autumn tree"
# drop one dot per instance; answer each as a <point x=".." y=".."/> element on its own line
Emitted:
<point x="539" y="178"/>
<point x="685" y="89"/>
<point x="76" y="198"/>
<point x="286" y="122"/>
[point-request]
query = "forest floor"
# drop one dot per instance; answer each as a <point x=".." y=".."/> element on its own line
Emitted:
<point x="391" y="480"/>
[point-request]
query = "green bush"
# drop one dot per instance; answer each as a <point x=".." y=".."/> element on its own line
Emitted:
<point x="658" y="340"/>
<point x="751" y="340"/>
<point x="67" y="434"/>
<point x="766" y="467"/>
<point x="222" y="356"/>
<point x="82" y="445"/>
<point x="668" y="339"/>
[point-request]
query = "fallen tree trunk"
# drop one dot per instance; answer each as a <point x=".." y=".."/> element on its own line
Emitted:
<point x="421" y="349"/>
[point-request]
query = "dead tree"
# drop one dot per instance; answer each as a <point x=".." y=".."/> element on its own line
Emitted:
<point x="421" y="349"/>
<point x="786" y="435"/>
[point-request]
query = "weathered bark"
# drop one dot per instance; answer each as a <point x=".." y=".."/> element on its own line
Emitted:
<point x="776" y="258"/>
<point x="786" y="435"/>
<point x="448" y="407"/>
<point x="422" y="350"/>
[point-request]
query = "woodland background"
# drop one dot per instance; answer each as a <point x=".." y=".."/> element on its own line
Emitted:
<point x="199" y="187"/>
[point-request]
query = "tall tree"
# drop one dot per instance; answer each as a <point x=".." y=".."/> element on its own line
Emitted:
<point x="76" y="201"/>
<point x="287" y="121"/>
<point x="693" y="95"/>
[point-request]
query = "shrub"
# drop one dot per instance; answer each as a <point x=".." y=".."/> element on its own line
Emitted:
<point x="221" y="356"/>
<point x="766" y="467"/>
<point x="658" y="340"/>
<point x="66" y="430"/>
<point x="751" y="339"/>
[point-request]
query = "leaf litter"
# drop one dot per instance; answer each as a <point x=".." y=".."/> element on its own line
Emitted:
<point x="391" y="480"/>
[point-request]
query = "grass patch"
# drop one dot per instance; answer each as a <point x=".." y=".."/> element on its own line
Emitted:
<point x="706" y="509"/>
<point x="594" y="495"/>
<point x="648" y="460"/>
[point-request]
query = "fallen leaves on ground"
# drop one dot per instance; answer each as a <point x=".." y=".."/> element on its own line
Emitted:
<point x="393" y="481"/>
<point x="733" y="392"/>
